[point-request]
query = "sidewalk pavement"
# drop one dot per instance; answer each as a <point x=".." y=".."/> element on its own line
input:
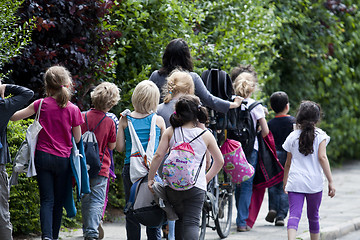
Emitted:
<point x="338" y="216"/>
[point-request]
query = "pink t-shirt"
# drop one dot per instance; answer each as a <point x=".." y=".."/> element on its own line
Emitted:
<point x="57" y="122"/>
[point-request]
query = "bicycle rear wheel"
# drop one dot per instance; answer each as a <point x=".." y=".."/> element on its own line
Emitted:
<point x="223" y="219"/>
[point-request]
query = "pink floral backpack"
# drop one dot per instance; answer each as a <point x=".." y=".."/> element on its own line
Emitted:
<point x="235" y="163"/>
<point x="181" y="169"/>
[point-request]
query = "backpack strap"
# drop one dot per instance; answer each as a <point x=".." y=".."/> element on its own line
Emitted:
<point x="87" y="125"/>
<point x="253" y="105"/>
<point x="198" y="171"/>
<point x="37" y="116"/>
<point x="191" y="139"/>
<point x="202" y="160"/>
<point x="198" y="136"/>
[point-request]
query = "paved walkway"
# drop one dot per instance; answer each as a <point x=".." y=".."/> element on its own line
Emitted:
<point x="339" y="215"/>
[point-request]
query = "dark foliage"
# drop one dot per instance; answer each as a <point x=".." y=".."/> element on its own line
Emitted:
<point x="68" y="33"/>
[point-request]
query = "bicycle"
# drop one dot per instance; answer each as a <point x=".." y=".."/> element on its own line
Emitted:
<point x="218" y="205"/>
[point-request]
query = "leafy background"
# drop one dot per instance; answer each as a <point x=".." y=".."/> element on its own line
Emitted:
<point x="307" y="48"/>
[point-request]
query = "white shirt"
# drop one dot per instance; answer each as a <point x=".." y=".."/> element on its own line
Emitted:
<point x="305" y="174"/>
<point x="256" y="114"/>
<point x="199" y="148"/>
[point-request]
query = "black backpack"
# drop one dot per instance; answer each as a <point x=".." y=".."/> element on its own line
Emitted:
<point x="219" y="84"/>
<point x="241" y="126"/>
<point x="91" y="150"/>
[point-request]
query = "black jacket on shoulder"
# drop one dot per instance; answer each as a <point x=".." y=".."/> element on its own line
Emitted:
<point x="8" y="106"/>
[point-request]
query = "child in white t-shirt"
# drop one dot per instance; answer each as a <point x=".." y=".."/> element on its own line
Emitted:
<point x="244" y="86"/>
<point x="305" y="167"/>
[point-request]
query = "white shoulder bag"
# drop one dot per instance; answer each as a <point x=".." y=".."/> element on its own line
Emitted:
<point x="24" y="159"/>
<point x="139" y="159"/>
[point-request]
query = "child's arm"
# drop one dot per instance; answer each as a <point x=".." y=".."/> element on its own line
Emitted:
<point x="208" y="160"/>
<point x="264" y="127"/>
<point x="218" y="160"/>
<point x="23" y="113"/>
<point x="324" y="162"/>
<point x="111" y="146"/>
<point x="286" y="169"/>
<point x="112" y="135"/>
<point x="161" y="124"/>
<point x="159" y="156"/>
<point x="120" y="137"/>
<point x="76" y="131"/>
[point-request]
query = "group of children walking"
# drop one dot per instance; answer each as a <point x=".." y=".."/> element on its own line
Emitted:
<point x="300" y="146"/>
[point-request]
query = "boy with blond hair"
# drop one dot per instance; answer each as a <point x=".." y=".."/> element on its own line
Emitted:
<point x="105" y="96"/>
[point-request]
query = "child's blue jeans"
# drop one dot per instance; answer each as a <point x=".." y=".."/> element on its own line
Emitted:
<point x="278" y="199"/>
<point x="243" y="194"/>
<point x="52" y="172"/>
<point x="92" y="205"/>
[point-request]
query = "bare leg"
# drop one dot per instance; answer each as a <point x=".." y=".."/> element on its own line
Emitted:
<point x="292" y="234"/>
<point x="314" y="236"/>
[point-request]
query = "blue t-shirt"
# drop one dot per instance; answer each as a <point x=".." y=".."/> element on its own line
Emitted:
<point x="142" y="128"/>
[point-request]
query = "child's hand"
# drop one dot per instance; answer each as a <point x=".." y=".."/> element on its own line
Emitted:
<point x="332" y="190"/>
<point x="150" y="185"/>
<point x="284" y="185"/>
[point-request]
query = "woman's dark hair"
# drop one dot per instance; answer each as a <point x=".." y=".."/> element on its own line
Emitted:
<point x="188" y="109"/>
<point x="176" y="55"/>
<point x="307" y="117"/>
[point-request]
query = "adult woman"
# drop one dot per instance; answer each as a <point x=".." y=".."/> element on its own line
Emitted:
<point x="177" y="55"/>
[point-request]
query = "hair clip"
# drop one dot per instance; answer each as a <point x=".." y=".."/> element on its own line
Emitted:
<point x="174" y="112"/>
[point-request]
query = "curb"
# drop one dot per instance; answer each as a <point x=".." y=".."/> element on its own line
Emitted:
<point x="331" y="233"/>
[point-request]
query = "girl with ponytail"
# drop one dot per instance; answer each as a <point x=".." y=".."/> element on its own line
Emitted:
<point x="185" y="122"/>
<point x="60" y="120"/>
<point x="305" y="166"/>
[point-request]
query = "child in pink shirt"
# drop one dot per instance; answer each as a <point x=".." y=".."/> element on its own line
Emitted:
<point x="60" y="120"/>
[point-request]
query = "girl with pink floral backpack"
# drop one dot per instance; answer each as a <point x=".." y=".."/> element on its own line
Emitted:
<point x="188" y="142"/>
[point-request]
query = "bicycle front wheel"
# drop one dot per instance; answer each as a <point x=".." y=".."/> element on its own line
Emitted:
<point x="223" y="219"/>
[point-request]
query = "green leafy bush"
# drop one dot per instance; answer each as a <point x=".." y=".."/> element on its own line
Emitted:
<point x="14" y="36"/>
<point x="69" y="33"/>
<point x="318" y="59"/>
<point x="24" y="197"/>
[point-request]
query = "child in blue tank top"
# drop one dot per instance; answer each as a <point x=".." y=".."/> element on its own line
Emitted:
<point x="145" y="100"/>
